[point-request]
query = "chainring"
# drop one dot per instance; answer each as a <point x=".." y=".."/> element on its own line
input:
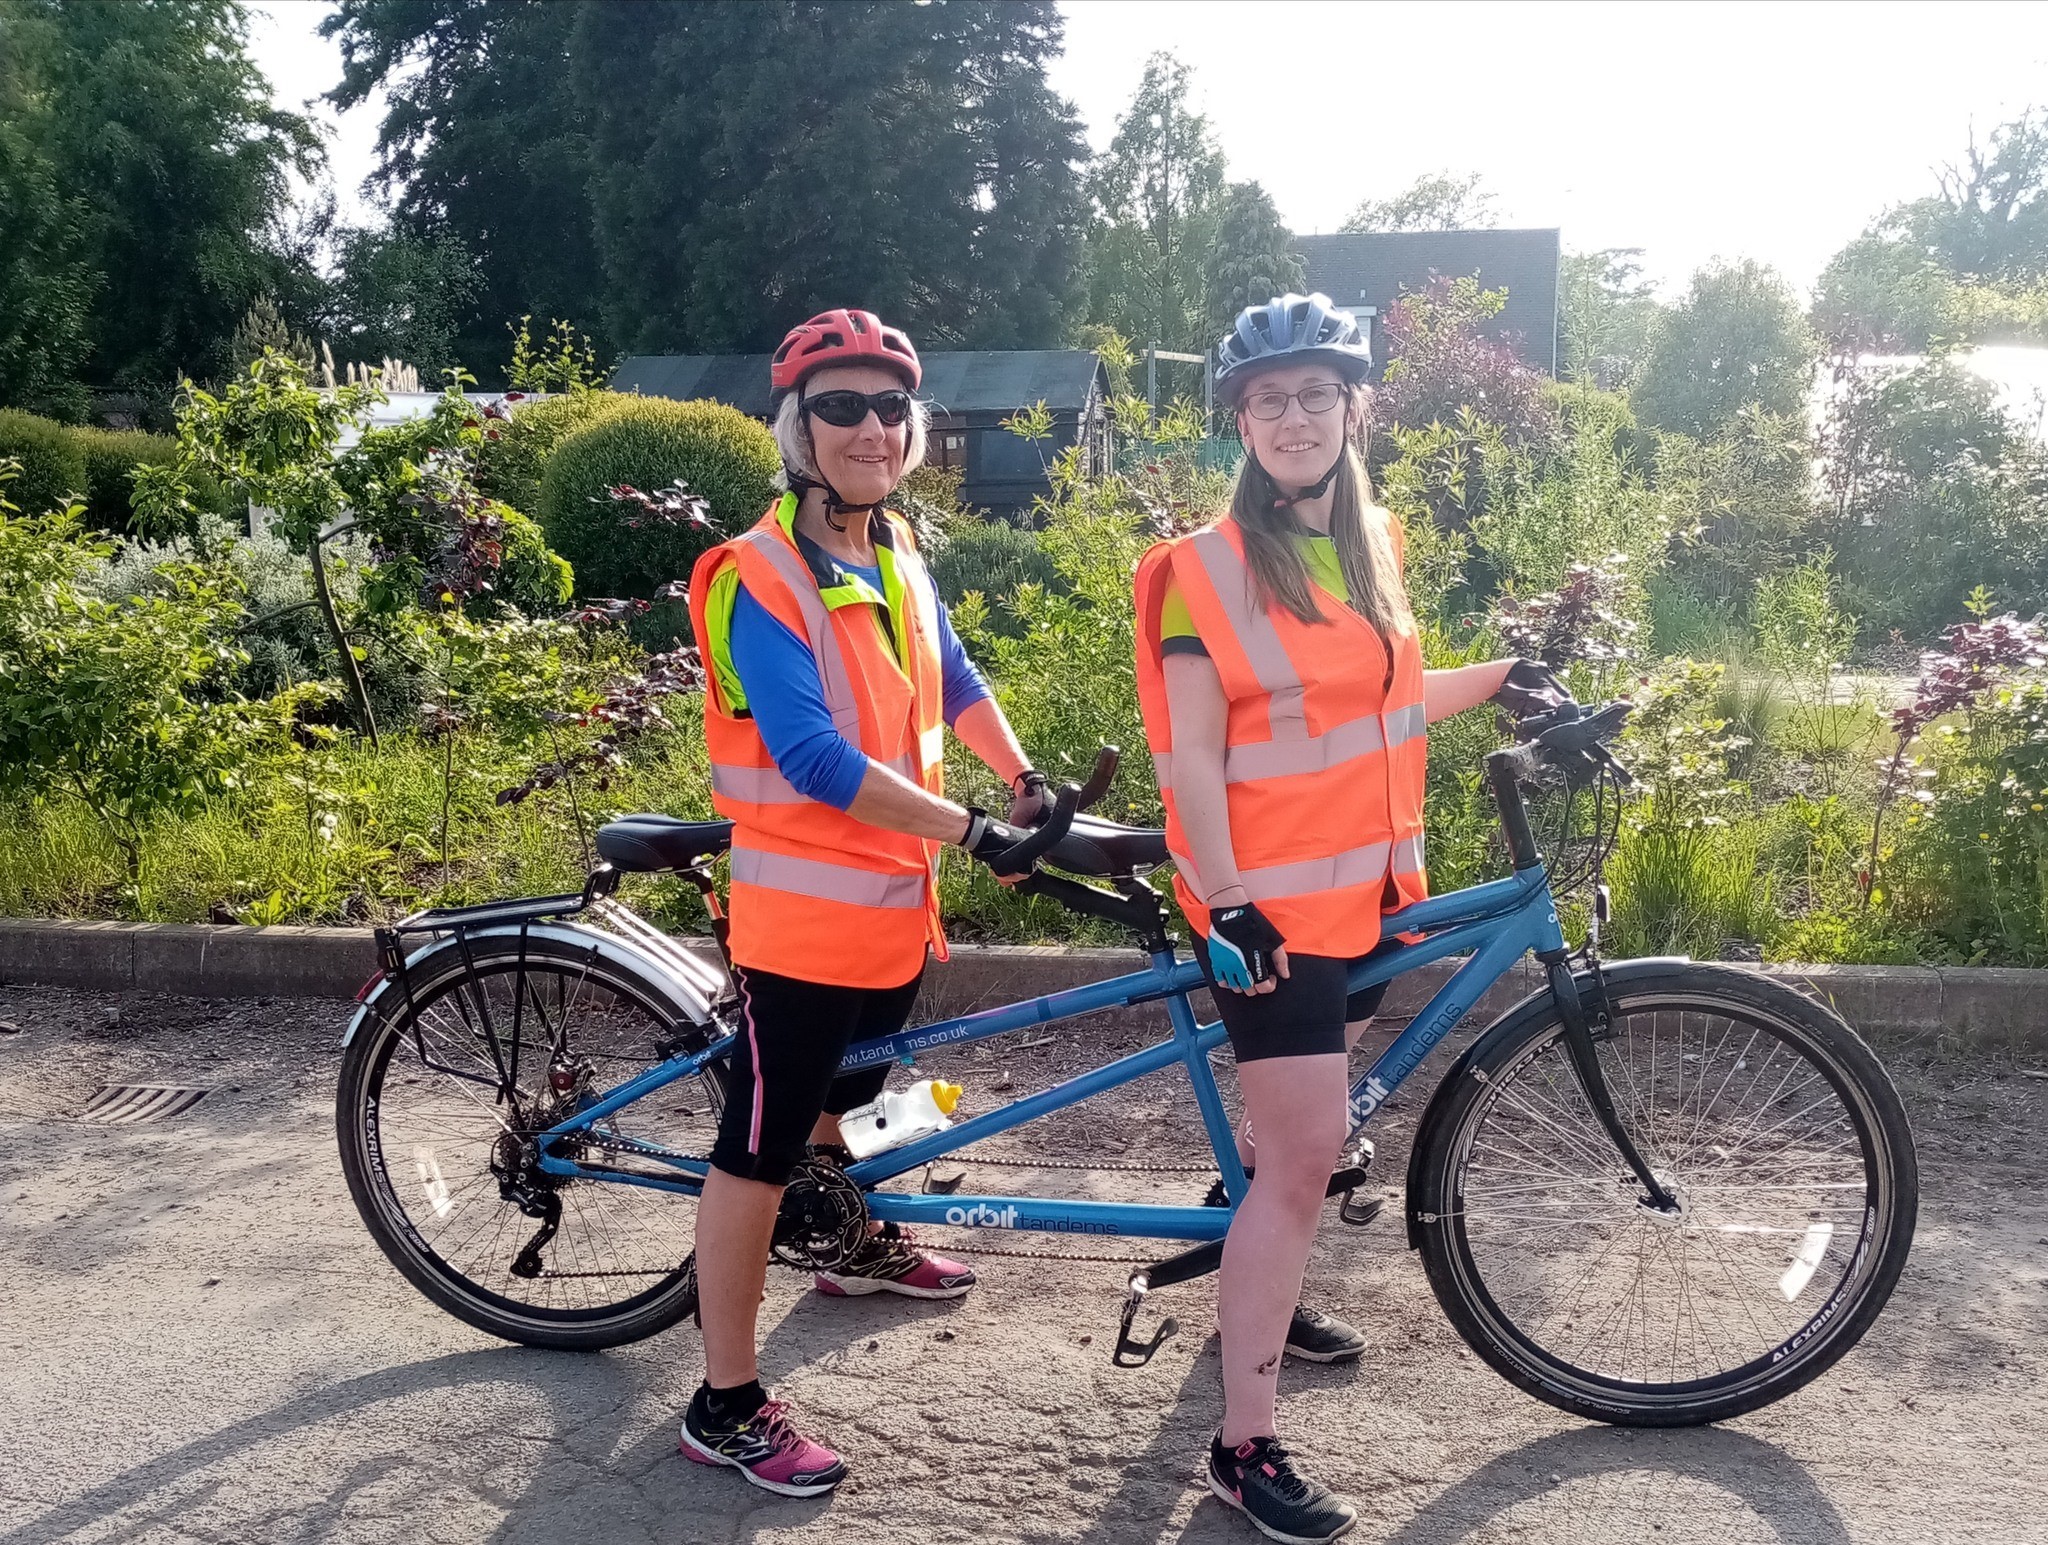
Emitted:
<point x="824" y="1217"/>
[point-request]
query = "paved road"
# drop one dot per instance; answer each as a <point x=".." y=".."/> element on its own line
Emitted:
<point x="199" y="1342"/>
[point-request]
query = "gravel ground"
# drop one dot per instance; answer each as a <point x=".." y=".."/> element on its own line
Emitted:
<point x="202" y="1343"/>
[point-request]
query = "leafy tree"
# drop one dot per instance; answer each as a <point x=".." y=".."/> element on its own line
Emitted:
<point x="262" y="329"/>
<point x="403" y="297"/>
<point x="46" y="285"/>
<point x="160" y="128"/>
<point x="910" y="159"/>
<point x="1885" y="296"/>
<point x="1738" y="337"/>
<point x="1607" y="314"/>
<point x="1252" y="258"/>
<point x="1989" y="219"/>
<point x="484" y="150"/>
<point x="1158" y="193"/>
<point x="1442" y="363"/>
<point x="1436" y="201"/>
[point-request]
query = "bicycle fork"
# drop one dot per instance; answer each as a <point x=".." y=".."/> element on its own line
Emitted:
<point x="1578" y="1041"/>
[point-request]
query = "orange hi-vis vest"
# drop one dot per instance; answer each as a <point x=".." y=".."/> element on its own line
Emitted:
<point x="816" y="894"/>
<point x="1323" y="759"/>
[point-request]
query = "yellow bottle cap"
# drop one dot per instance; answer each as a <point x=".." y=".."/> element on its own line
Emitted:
<point x="945" y="1095"/>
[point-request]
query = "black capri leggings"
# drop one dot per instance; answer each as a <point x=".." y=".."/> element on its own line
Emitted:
<point x="1305" y="1013"/>
<point x="782" y="1073"/>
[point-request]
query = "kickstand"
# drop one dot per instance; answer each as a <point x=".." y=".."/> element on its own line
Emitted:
<point x="1135" y="1354"/>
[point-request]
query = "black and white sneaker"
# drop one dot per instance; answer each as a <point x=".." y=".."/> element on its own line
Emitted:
<point x="1258" y="1478"/>
<point x="1317" y="1337"/>
<point x="1312" y="1335"/>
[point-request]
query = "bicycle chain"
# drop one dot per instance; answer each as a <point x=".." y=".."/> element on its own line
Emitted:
<point x="616" y="1143"/>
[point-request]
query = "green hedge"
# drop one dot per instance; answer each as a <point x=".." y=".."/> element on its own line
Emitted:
<point x="52" y="465"/>
<point x="531" y="574"/>
<point x="718" y="451"/>
<point x="995" y="559"/>
<point x="110" y="455"/>
<point x="510" y="467"/>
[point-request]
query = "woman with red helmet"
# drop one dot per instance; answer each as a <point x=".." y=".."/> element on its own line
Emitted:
<point x="833" y="671"/>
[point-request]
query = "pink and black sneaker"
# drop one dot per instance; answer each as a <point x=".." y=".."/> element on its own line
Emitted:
<point x="765" y="1447"/>
<point x="1258" y="1478"/>
<point x="890" y="1263"/>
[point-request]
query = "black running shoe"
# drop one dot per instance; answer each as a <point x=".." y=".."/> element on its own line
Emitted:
<point x="765" y="1448"/>
<point x="1322" y="1338"/>
<point x="1258" y="1478"/>
<point x="1313" y="1336"/>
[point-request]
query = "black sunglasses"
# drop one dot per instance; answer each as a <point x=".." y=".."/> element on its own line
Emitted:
<point x="845" y="409"/>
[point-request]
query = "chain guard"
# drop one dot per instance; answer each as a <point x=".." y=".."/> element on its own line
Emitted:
<point x="823" y="1218"/>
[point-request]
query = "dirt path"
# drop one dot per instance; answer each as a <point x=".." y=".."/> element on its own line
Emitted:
<point x="200" y="1342"/>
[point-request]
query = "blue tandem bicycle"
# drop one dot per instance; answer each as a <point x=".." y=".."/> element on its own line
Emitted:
<point x="1655" y="1192"/>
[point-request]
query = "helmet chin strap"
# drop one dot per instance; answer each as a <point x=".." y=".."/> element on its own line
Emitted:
<point x="1282" y="500"/>
<point x="836" y="508"/>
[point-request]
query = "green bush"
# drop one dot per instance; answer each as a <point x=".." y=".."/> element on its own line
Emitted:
<point x="510" y="467"/>
<point x="52" y="468"/>
<point x="718" y="451"/>
<point x="110" y="455"/>
<point x="994" y="559"/>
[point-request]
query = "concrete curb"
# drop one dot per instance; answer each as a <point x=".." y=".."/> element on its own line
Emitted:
<point x="1983" y="1008"/>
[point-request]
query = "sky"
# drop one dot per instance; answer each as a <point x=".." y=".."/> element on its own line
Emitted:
<point x="1772" y="131"/>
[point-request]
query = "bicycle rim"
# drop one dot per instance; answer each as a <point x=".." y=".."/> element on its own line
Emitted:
<point x="439" y="1148"/>
<point x="1776" y="1157"/>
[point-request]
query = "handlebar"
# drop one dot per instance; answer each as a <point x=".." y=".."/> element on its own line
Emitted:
<point x="1569" y="739"/>
<point x="1071" y="800"/>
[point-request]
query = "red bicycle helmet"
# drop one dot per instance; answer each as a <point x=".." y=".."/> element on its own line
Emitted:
<point x="842" y="337"/>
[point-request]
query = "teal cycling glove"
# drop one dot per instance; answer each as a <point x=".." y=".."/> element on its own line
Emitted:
<point x="1241" y="945"/>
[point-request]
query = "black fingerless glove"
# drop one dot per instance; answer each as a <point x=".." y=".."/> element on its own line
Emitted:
<point x="1031" y="797"/>
<point x="1241" y="945"/>
<point x="1531" y="688"/>
<point x="987" y="839"/>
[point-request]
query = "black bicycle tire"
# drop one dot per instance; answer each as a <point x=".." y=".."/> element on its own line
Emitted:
<point x="1818" y="1033"/>
<point x="442" y="1283"/>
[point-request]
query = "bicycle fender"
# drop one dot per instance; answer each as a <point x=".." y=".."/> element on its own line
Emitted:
<point x="682" y="992"/>
<point x="1617" y="974"/>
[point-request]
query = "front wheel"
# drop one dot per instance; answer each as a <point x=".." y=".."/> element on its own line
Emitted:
<point x="1764" y="1114"/>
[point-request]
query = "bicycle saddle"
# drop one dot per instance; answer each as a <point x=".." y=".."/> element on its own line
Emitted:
<point x="1105" y="850"/>
<point x="642" y="844"/>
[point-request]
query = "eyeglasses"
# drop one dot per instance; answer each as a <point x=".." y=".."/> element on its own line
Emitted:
<point x="1319" y="398"/>
<point x="845" y="409"/>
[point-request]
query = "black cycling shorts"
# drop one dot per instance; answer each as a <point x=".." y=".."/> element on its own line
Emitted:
<point x="781" y="1076"/>
<point x="1303" y="1016"/>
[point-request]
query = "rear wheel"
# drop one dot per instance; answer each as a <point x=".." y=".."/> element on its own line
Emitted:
<point x="442" y="1165"/>
<point x="1770" y="1121"/>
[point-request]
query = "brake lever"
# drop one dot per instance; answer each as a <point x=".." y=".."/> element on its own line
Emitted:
<point x="1100" y="777"/>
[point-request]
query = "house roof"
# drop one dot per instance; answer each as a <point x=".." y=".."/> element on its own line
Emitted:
<point x="956" y="381"/>
<point x="1376" y="268"/>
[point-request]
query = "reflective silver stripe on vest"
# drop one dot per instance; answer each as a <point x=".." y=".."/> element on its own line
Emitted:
<point x="1254" y="631"/>
<point x="766" y="786"/>
<point x="1313" y="876"/>
<point x="832" y="673"/>
<point x="1314" y="753"/>
<point x="826" y="881"/>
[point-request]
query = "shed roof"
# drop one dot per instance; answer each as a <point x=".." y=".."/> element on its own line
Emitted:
<point x="956" y="381"/>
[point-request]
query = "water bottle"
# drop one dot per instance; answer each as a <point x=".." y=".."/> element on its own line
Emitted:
<point x="895" y="1119"/>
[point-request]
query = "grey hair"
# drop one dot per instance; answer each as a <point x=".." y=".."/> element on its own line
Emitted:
<point x="795" y="444"/>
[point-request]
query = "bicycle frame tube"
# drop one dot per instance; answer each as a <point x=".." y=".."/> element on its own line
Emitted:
<point x="1496" y="922"/>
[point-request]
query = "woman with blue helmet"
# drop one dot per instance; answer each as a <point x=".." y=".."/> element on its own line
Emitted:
<point x="1285" y="702"/>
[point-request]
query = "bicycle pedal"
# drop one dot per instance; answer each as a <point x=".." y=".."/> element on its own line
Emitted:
<point x="1131" y="1353"/>
<point x="1359" y="1213"/>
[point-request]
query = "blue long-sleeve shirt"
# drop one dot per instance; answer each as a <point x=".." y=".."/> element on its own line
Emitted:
<point x="787" y="697"/>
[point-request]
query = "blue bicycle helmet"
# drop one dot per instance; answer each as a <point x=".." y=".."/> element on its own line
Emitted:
<point x="1291" y="328"/>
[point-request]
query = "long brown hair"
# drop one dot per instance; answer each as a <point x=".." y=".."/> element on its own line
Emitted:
<point x="1362" y="533"/>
